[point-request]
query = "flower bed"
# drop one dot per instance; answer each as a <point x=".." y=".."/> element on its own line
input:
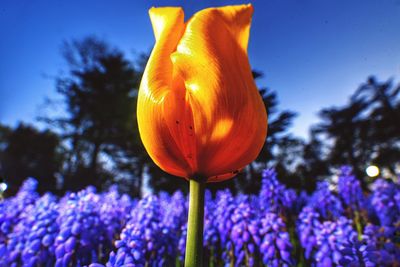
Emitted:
<point x="338" y="225"/>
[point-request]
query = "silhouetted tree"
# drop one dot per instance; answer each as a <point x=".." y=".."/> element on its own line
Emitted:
<point x="313" y="165"/>
<point x="99" y="91"/>
<point x="383" y="115"/>
<point x="366" y="130"/>
<point x="287" y="158"/>
<point x="28" y="152"/>
<point x="4" y="133"/>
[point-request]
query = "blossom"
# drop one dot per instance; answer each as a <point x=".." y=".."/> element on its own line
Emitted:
<point x="326" y="202"/>
<point x="358" y="253"/>
<point x="307" y="227"/>
<point x="385" y="201"/>
<point x="199" y="111"/>
<point x="245" y="235"/>
<point x="385" y="240"/>
<point x="145" y="240"/>
<point x="331" y="237"/>
<point x="274" y="197"/>
<point x="349" y="188"/>
<point x="275" y="247"/>
<point x="82" y="233"/>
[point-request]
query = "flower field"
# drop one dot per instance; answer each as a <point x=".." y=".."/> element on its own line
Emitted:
<point x="337" y="225"/>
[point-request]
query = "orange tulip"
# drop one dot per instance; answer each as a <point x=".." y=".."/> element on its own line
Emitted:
<point x="199" y="111"/>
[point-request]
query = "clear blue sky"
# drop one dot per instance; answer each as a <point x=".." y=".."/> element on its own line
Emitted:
<point x="314" y="53"/>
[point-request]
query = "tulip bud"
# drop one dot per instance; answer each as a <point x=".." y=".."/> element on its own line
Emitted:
<point x="199" y="110"/>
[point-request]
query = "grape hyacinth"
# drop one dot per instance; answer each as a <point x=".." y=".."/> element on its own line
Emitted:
<point x="82" y="235"/>
<point x="349" y="188"/>
<point x="145" y="240"/>
<point x="307" y="227"/>
<point x="12" y="208"/>
<point x="224" y="209"/>
<point x="326" y="202"/>
<point x="175" y="211"/>
<point x="385" y="201"/>
<point x="275" y="246"/>
<point x="211" y="239"/>
<point x="39" y="247"/>
<point x="15" y="222"/>
<point x="114" y="212"/>
<point x="245" y="236"/>
<point x="386" y="241"/>
<point x="275" y="227"/>
<point x="358" y="253"/>
<point x="182" y="243"/>
<point x="331" y="237"/>
<point x="274" y="197"/>
<point x="175" y="214"/>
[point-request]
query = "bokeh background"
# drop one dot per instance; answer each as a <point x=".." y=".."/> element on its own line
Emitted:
<point x="69" y="72"/>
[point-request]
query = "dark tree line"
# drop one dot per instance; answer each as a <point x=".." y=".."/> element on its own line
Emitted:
<point x="366" y="130"/>
<point x="96" y="141"/>
<point x="28" y="152"/>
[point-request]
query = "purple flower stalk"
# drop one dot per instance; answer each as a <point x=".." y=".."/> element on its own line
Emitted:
<point x="385" y="201"/>
<point x="274" y="197"/>
<point x="349" y="189"/>
<point x="275" y="246"/>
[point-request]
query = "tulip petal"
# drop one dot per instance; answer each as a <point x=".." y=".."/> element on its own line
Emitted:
<point x="228" y="113"/>
<point x="239" y="19"/>
<point x="162" y="109"/>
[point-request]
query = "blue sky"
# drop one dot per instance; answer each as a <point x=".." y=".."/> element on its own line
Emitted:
<point x="314" y="53"/>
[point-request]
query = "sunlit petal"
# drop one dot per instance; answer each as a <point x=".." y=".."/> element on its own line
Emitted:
<point x="228" y="113"/>
<point x="157" y="94"/>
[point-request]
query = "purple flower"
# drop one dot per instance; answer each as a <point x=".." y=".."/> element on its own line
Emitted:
<point x="307" y="227"/>
<point x="82" y="235"/>
<point x="385" y="240"/>
<point x="385" y="201"/>
<point x="39" y="249"/>
<point x="358" y="253"/>
<point x="175" y="211"/>
<point x="145" y="239"/>
<point x="182" y="242"/>
<point x="275" y="246"/>
<point x="225" y="206"/>
<point x="211" y="235"/>
<point x="11" y="209"/>
<point x="326" y="202"/>
<point x="245" y="235"/>
<point x="349" y="188"/>
<point x="331" y="237"/>
<point x="274" y="197"/>
<point x="114" y="212"/>
<point x="16" y="220"/>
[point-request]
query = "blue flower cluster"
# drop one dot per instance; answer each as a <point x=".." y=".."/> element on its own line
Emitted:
<point x="339" y="224"/>
<point x="349" y="189"/>
<point x="337" y="227"/>
<point x="82" y="233"/>
<point x="385" y="200"/>
<point x="274" y="196"/>
<point x="146" y="240"/>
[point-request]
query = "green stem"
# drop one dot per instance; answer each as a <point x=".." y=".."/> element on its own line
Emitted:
<point x="358" y="225"/>
<point x="194" y="240"/>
